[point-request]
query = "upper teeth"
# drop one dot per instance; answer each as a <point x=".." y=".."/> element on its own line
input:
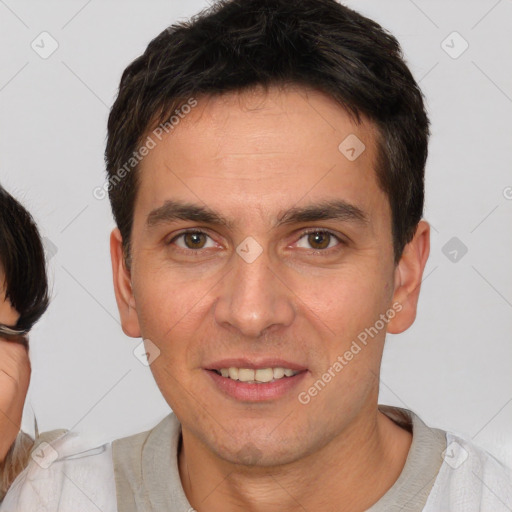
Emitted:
<point x="259" y="375"/>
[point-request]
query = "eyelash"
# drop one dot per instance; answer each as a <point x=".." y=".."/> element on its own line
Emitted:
<point x="303" y="234"/>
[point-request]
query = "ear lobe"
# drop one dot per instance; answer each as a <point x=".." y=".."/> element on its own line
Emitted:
<point x="123" y="287"/>
<point x="408" y="276"/>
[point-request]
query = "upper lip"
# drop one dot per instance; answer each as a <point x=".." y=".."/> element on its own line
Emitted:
<point x="254" y="363"/>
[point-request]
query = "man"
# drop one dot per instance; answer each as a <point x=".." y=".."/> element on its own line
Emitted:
<point x="266" y="166"/>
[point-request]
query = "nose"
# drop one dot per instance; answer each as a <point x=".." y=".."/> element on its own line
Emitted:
<point x="254" y="298"/>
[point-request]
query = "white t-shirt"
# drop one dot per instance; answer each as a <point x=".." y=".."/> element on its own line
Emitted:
<point x="443" y="473"/>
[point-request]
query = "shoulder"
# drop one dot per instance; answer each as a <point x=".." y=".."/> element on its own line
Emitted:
<point x="138" y="455"/>
<point x="470" y="479"/>
<point x="64" y="472"/>
<point x="168" y="429"/>
<point x="67" y="472"/>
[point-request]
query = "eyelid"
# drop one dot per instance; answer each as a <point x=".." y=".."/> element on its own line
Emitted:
<point x="308" y="231"/>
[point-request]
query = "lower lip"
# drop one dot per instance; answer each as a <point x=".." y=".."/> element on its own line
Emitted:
<point x="246" y="392"/>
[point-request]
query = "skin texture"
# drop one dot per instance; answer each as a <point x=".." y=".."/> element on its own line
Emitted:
<point x="14" y="377"/>
<point x="251" y="156"/>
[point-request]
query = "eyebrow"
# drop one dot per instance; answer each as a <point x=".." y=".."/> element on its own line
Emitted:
<point x="178" y="210"/>
<point x="339" y="210"/>
<point x="326" y="210"/>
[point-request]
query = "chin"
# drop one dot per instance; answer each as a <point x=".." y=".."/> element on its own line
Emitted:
<point x="254" y="451"/>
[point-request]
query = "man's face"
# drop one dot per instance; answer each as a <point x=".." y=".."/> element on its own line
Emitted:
<point x="212" y="300"/>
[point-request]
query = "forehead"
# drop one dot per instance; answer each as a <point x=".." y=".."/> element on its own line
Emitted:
<point x="261" y="150"/>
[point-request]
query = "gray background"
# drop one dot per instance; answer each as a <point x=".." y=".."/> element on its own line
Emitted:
<point x="453" y="367"/>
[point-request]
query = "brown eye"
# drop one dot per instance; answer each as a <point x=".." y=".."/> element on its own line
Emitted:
<point x="194" y="240"/>
<point x="318" y="240"/>
<point x="190" y="240"/>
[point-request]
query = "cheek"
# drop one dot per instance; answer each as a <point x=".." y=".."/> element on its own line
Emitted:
<point x="8" y="315"/>
<point x="162" y="300"/>
<point x="349" y="300"/>
<point x="166" y="316"/>
<point x="171" y="312"/>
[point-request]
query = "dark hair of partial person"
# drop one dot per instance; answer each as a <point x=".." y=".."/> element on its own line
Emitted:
<point x="23" y="263"/>
<point x="234" y="45"/>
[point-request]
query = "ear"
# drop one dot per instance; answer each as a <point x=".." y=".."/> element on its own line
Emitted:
<point x="408" y="276"/>
<point x="123" y="287"/>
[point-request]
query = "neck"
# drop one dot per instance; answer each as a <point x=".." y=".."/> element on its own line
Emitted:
<point x="355" y="468"/>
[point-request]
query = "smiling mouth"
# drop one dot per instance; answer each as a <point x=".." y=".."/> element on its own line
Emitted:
<point x="256" y="376"/>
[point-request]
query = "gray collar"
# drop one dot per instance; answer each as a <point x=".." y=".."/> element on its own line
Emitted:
<point x="410" y="492"/>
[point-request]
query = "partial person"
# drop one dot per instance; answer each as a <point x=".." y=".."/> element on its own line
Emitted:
<point x="23" y="300"/>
